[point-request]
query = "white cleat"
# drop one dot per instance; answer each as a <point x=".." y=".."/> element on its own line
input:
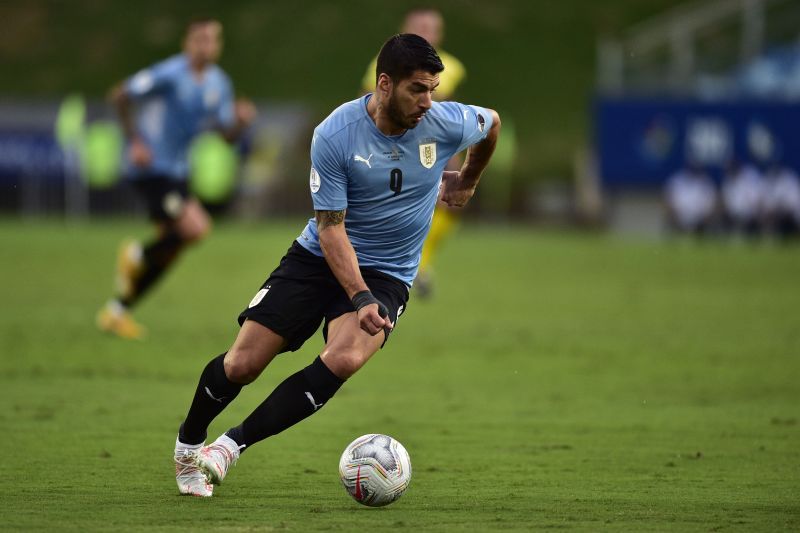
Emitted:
<point x="215" y="459"/>
<point x="189" y="477"/>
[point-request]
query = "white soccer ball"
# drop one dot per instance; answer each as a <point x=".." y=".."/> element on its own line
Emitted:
<point x="375" y="469"/>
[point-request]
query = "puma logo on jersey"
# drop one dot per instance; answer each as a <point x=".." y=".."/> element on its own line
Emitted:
<point x="357" y="158"/>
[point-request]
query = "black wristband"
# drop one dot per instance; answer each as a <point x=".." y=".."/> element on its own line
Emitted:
<point x="364" y="298"/>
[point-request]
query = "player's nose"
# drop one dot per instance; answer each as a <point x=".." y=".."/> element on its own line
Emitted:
<point x="426" y="101"/>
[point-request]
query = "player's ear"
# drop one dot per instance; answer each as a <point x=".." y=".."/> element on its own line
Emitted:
<point x="384" y="85"/>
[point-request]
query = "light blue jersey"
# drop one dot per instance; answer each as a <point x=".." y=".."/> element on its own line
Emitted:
<point x="173" y="106"/>
<point x="388" y="184"/>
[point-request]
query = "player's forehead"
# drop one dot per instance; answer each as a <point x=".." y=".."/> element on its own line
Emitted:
<point x="205" y="28"/>
<point x="422" y="78"/>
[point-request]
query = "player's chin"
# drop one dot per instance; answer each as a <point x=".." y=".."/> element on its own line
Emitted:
<point x="414" y="121"/>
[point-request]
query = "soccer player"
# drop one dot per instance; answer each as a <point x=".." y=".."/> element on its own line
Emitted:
<point x="691" y="200"/>
<point x="742" y="196"/>
<point x="428" y="23"/>
<point x="781" y="201"/>
<point x="162" y="108"/>
<point x="377" y="164"/>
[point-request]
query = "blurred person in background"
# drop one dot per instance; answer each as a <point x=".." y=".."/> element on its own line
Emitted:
<point x="377" y="171"/>
<point x="781" y="204"/>
<point x="162" y="109"/>
<point x="691" y="201"/>
<point x="428" y="23"/>
<point x="742" y="195"/>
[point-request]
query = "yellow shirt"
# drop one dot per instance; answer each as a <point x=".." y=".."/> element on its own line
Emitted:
<point x="449" y="80"/>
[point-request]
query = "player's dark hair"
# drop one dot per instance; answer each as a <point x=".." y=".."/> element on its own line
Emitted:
<point x="200" y="21"/>
<point x="405" y="53"/>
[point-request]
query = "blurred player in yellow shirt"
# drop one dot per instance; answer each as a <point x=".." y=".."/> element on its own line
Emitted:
<point x="429" y="24"/>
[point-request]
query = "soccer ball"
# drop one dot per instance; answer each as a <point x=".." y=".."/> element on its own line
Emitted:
<point x="375" y="469"/>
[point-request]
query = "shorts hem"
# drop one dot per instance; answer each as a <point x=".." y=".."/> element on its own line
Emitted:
<point x="261" y="320"/>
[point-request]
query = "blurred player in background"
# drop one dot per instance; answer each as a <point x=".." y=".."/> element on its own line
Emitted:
<point x="377" y="167"/>
<point x="691" y="201"/>
<point x="429" y="24"/>
<point x="742" y="197"/>
<point x="781" y="204"/>
<point x="162" y="108"/>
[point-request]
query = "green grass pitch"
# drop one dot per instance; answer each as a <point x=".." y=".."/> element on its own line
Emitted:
<point x="555" y="381"/>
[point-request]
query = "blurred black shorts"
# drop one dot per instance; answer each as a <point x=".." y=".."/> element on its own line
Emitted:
<point x="303" y="292"/>
<point x="165" y="196"/>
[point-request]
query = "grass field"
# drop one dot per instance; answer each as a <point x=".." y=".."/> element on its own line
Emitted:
<point x="556" y="381"/>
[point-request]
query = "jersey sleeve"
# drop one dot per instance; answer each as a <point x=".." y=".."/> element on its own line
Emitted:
<point x="477" y="123"/>
<point x="451" y="78"/>
<point x="328" y="180"/>
<point x="459" y="72"/>
<point x="226" y="115"/>
<point x="149" y="81"/>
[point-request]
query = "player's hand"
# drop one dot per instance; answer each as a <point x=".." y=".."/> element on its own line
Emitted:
<point x="245" y="111"/>
<point x="373" y="316"/>
<point x="139" y="153"/>
<point x="454" y="193"/>
<point x="371" y="321"/>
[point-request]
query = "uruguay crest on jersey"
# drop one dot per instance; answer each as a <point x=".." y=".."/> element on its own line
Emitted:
<point x="427" y="154"/>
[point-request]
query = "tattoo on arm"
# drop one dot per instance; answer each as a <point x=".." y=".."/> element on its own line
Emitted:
<point x="329" y="218"/>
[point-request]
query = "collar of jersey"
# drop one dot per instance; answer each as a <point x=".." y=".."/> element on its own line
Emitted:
<point x="187" y="67"/>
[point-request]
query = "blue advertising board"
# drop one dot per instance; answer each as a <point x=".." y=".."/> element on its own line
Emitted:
<point x="641" y="142"/>
<point x="29" y="153"/>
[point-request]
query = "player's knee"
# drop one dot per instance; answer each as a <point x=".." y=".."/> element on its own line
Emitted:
<point x="194" y="223"/>
<point x="243" y="365"/>
<point x="203" y="228"/>
<point x="196" y="230"/>
<point x="344" y="362"/>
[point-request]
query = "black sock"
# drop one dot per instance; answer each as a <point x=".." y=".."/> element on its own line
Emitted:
<point x="214" y="393"/>
<point x="298" y="397"/>
<point x="157" y="257"/>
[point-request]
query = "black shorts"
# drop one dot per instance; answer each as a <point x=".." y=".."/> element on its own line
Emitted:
<point x="302" y="292"/>
<point x="165" y="197"/>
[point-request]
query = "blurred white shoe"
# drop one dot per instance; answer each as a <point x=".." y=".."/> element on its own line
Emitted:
<point x="216" y="458"/>
<point x="189" y="477"/>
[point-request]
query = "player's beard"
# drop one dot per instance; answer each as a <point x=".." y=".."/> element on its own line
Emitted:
<point x="395" y="114"/>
